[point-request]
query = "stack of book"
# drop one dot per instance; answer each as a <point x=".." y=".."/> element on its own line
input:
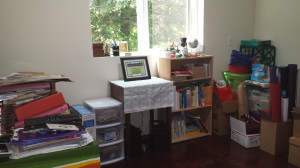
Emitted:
<point x="181" y="75"/>
<point x="28" y="95"/>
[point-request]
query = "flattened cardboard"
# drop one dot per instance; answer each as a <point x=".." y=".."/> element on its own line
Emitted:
<point x="274" y="137"/>
<point x="296" y="128"/>
<point x="294" y="151"/>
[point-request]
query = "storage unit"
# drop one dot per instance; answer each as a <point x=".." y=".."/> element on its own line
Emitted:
<point x="109" y="128"/>
<point x="200" y="108"/>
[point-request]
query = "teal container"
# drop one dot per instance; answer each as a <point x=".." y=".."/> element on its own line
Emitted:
<point x="234" y="80"/>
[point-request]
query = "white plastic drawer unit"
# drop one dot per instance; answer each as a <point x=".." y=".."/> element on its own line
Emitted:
<point x="110" y="133"/>
<point x="107" y="110"/>
<point x="112" y="153"/>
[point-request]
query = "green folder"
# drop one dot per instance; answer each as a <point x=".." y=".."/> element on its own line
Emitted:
<point x="53" y="159"/>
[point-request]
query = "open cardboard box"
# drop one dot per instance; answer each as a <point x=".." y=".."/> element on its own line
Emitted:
<point x="274" y="136"/>
<point x="239" y="134"/>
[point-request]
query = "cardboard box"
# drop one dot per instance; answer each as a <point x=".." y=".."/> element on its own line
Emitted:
<point x="225" y="107"/>
<point x="296" y="128"/>
<point x="221" y="121"/>
<point x="274" y="137"/>
<point x="198" y="71"/>
<point x="239" y="134"/>
<point x="87" y="116"/>
<point x="294" y="151"/>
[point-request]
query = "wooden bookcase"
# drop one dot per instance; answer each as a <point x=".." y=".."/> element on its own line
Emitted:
<point x="167" y="65"/>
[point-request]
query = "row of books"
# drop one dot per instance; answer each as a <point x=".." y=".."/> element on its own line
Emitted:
<point x="178" y="125"/>
<point x="184" y="124"/>
<point x="192" y="96"/>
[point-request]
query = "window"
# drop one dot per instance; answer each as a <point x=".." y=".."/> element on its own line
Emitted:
<point x="146" y="24"/>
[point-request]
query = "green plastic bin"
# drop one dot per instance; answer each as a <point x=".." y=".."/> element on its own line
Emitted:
<point x="234" y="80"/>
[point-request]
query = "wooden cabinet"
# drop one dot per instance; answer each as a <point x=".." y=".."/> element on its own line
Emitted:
<point x="188" y="95"/>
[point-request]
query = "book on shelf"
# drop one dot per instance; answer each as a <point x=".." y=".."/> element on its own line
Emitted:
<point x="182" y="73"/>
<point x="178" y="125"/>
<point x="196" y="120"/>
<point x="191" y="129"/>
<point x="192" y="96"/>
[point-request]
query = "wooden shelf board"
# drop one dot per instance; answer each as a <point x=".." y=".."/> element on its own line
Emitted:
<point x="191" y="108"/>
<point x="191" y="80"/>
<point x="190" y="136"/>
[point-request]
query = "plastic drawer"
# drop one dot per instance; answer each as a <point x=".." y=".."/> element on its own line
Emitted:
<point x="108" y="115"/>
<point x="110" y="133"/>
<point x="111" y="153"/>
<point x="107" y="110"/>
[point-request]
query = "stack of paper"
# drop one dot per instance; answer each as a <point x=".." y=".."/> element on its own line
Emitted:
<point x="27" y="143"/>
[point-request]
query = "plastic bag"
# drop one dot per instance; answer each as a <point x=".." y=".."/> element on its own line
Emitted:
<point x="224" y="93"/>
<point x="260" y="73"/>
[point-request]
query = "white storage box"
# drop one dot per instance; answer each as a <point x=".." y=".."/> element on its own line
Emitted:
<point x="110" y="133"/>
<point x="107" y="110"/>
<point x="239" y="134"/>
<point x="112" y="153"/>
<point x="87" y="117"/>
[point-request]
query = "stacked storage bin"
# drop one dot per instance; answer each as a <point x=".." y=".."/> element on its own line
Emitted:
<point x="239" y="69"/>
<point x="109" y="128"/>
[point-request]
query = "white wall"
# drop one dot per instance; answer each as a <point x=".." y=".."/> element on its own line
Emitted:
<point x="55" y="37"/>
<point x="223" y="20"/>
<point x="279" y="21"/>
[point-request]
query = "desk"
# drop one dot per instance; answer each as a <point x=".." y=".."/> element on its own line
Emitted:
<point x="143" y="95"/>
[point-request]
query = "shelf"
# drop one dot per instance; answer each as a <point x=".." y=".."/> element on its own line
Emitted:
<point x="190" y="136"/>
<point x="190" y="108"/>
<point x="191" y="80"/>
<point x="190" y="58"/>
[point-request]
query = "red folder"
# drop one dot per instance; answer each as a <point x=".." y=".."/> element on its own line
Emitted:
<point x="52" y="111"/>
<point x="31" y="109"/>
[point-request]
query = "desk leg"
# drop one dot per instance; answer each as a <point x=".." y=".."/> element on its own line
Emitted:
<point x="127" y="135"/>
<point x="169" y="120"/>
<point x="151" y="116"/>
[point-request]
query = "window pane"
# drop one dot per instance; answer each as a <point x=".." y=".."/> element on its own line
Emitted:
<point x="114" y="20"/>
<point x="167" y="22"/>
